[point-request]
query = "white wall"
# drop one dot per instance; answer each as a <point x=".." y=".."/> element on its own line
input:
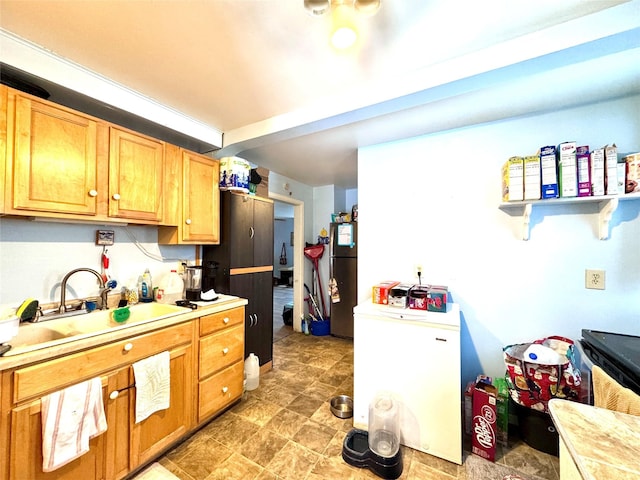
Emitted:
<point x="35" y="256"/>
<point x="440" y="209"/>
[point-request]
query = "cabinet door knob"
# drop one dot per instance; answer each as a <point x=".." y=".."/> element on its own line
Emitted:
<point x="225" y="320"/>
<point x="188" y="221"/>
<point x="225" y="389"/>
<point x="127" y="347"/>
<point x="115" y="394"/>
<point x="116" y="196"/>
<point x="225" y="351"/>
<point x="93" y="193"/>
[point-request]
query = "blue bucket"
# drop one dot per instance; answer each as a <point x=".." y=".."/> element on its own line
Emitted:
<point x="320" y="328"/>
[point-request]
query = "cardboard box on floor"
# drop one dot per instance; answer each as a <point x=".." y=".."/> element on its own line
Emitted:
<point x="483" y="431"/>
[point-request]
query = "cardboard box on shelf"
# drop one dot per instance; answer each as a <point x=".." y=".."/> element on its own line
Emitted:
<point x="611" y="170"/>
<point x="567" y="170"/>
<point x="632" y="181"/>
<point x="513" y="180"/>
<point x="532" y="177"/>
<point x="380" y="292"/>
<point x="549" y="172"/>
<point x="483" y="436"/>
<point x="584" y="171"/>
<point x="597" y="172"/>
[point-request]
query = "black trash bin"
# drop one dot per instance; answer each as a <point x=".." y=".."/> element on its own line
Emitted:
<point x="537" y="429"/>
<point x="287" y="314"/>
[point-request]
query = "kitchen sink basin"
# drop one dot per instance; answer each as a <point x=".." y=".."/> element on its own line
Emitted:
<point x="47" y="333"/>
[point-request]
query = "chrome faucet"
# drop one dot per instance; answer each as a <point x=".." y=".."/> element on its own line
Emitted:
<point x="103" y="289"/>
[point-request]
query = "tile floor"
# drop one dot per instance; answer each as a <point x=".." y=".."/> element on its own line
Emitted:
<point x="285" y="430"/>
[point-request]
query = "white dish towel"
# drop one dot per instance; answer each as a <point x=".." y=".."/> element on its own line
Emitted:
<point x="153" y="379"/>
<point x="70" y="418"/>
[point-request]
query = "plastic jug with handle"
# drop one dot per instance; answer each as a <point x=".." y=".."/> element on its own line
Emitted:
<point x="252" y="371"/>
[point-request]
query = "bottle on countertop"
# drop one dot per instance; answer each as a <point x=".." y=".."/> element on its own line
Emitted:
<point x="170" y="288"/>
<point x="146" y="287"/>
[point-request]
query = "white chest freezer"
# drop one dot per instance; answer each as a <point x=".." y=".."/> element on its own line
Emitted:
<point x="415" y="355"/>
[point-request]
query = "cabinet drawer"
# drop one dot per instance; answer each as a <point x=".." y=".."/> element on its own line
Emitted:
<point x="220" y="390"/>
<point x="220" y="320"/>
<point x="61" y="372"/>
<point x="220" y="350"/>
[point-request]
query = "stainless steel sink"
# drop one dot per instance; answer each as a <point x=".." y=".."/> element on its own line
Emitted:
<point x="35" y="336"/>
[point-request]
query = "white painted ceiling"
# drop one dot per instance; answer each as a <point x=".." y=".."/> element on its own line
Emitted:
<point x="262" y="71"/>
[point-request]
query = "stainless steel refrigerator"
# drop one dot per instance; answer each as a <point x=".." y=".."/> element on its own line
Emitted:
<point x="344" y="271"/>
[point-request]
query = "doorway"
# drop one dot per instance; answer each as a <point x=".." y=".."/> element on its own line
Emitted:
<point x="288" y="278"/>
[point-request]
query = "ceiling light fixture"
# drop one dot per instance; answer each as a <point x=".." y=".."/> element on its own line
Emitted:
<point x="343" y="29"/>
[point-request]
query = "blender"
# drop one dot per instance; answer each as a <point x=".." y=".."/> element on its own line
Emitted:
<point x="193" y="282"/>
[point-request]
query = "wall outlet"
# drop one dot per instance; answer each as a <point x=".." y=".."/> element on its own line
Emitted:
<point x="180" y="266"/>
<point x="594" y="279"/>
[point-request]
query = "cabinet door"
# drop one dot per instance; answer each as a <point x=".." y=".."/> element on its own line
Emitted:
<point x="257" y="289"/>
<point x="154" y="434"/>
<point x="26" y="449"/>
<point x="136" y="176"/>
<point x="55" y="160"/>
<point x="201" y="204"/>
<point x="241" y="231"/>
<point x="263" y="304"/>
<point x="117" y="398"/>
<point x="263" y="238"/>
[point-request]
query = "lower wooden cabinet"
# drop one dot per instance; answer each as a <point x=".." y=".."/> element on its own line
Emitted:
<point x="206" y="377"/>
<point x="221" y="361"/>
<point x="25" y="450"/>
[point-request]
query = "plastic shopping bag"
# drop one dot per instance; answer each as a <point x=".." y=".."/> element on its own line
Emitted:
<point x="542" y="370"/>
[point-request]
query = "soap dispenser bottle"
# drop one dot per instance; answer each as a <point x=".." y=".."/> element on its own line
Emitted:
<point x="146" y="287"/>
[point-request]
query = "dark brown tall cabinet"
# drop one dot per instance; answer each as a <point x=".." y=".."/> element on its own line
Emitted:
<point x="243" y="263"/>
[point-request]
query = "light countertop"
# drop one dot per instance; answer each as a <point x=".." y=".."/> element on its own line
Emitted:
<point x="603" y="444"/>
<point x="119" y="332"/>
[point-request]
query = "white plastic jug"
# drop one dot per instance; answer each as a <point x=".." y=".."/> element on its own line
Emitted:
<point x="170" y="289"/>
<point x="252" y="371"/>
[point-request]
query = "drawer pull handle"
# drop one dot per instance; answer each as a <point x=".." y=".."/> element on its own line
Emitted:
<point x="225" y="351"/>
<point x="116" y="393"/>
<point x="225" y="320"/>
<point x="127" y="347"/>
<point x="225" y="389"/>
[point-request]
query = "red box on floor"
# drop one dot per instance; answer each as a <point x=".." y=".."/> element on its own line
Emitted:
<point x="483" y="431"/>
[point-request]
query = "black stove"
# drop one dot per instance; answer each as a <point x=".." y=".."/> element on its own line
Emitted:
<point x="617" y="354"/>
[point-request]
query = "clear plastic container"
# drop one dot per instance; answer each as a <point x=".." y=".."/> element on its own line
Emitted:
<point x="384" y="425"/>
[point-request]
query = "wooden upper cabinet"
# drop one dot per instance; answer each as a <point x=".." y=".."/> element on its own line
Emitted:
<point x="136" y="176"/>
<point x="201" y="207"/>
<point x="55" y="160"/>
<point x="198" y="219"/>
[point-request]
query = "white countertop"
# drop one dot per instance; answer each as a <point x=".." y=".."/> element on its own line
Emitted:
<point x="603" y="444"/>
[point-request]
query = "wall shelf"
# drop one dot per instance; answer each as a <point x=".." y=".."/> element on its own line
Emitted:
<point x="607" y="204"/>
